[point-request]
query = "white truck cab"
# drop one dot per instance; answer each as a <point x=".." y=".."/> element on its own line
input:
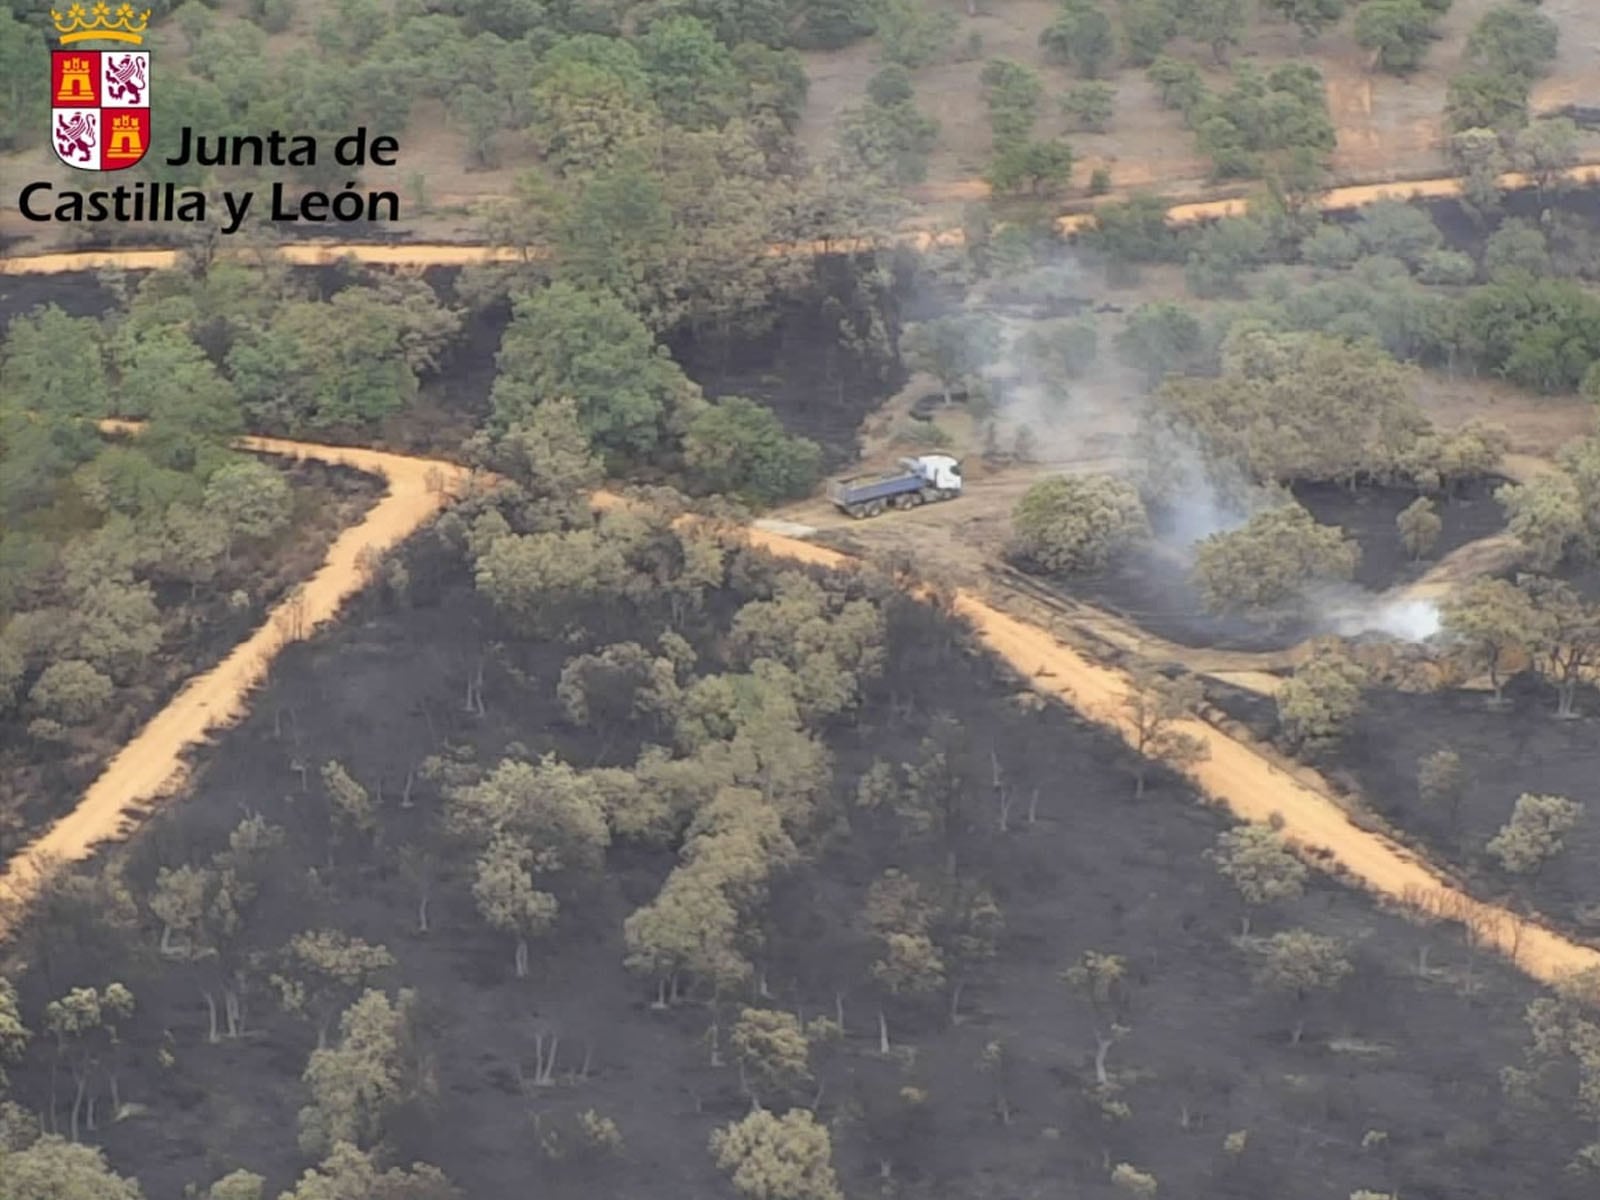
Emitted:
<point x="939" y="471"/>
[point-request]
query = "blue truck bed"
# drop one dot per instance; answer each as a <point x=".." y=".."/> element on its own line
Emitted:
<point x="866" y="488"/>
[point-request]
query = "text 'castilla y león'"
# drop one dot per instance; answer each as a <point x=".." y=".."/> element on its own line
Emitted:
<point x="157" y="201"/>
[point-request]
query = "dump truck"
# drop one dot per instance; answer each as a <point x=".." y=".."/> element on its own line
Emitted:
<point x="920" y="480"/>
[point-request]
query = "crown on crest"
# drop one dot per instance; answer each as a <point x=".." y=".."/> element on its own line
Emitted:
<point x="97" y="24"/>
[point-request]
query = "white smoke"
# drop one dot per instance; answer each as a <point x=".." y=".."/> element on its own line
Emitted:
<point x="1200" y="499"/>
<point x="1351" y="612"/>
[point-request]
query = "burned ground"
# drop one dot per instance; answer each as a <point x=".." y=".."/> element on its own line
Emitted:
<point x="1206" y="1056"/>
<point x="1367" y="514"/>
<point x="40" y="780"/>
<point x="1152" y="589"/>
<point x="1522" y="749"/>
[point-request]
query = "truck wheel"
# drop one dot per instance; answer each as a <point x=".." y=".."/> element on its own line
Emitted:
<point x="875" y="508"/>
<point x="857" y="511"/>
<point x="905" y="500"/>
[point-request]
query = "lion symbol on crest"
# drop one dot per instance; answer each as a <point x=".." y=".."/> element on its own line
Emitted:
<point x="125" y="78"/>
<point x="75" y="133"/>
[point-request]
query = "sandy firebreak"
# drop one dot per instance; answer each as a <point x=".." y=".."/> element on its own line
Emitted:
<point x="151" y="765"/>
<point x="1236" y="773"/>
<point x="419" y="255"/>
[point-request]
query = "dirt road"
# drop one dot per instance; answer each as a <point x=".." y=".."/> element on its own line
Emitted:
<point x="1235" y="774"/>
<point x="151" y="764"/>
<point x="1241" y="777"/>
<point x="420" y="255"/>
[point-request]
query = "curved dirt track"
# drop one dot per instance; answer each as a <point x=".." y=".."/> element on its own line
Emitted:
<point x="1235" y="773"/>
<point x="1255" y="789"/>
<point x="151" y="764"/>
<point x="423" y="254"/>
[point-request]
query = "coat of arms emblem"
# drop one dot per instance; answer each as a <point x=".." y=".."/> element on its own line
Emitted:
<point x="100" y="99"/>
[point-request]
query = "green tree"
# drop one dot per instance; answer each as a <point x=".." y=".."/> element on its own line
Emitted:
<point x="1419" y="527"/>
<point x="1300" y="963"/>
<point x="1310" y="16"/>
<point x="324" y="970"/>
<point x="890" y="141"/>
<point x="1257" y="862"/>
<point x="1492" y="622"/>
<point x="584" y="113"/>
<point x="1182" y="86"/>
<point x="1566" y="639"/>
<point x="1077" y="523"/>
<point x="356" y="1084"/>
<point x="1155" y="704"/>
<point x="14" y="1035"/>
<point x="1147" y="27"/>
<point x="192" y="410"/>
<point x="777" y="1158"/>
<point x="1102" y="980"/>
<point x="1486" y="100"/>
<point x="586" y="346"/>
<point x="1063" y="352"/>
<point x="52" y="1168"/>
<point x="690" y="929"/>
<point x="772" y="1050"/>
<point x="1544" y="150"/>
<point x="952" y="348"/>
<point x="250" y="499"/>
<point x="1399" y="230"/>
<point x="1037" y="167"/>
<point x="1442" y="783"/>
<point x="326" y="364"/>
<point x="831" y="24"/>
<point x="507" y="898"/>
<point x="692" y="76"/>
<point x="1223" y="252"/>
<point x="1090" y="105"/>
<point x="1397" y="31"/>
<point x="1082" y="36"/>
<point x="1533" y="835"/>
<point x="1513" y="39"/>
<point x="238" y="1185"/>
<point x="1264" y="567"/>
<point x="1161" y="338"/>
<point x="22" y="108"/>
<point x="1546" y="515"/>
<point x="1013" y="93"/>
<point x="1517" y="246"/>
<point x="348" y="1173"/>
<point x="912" y="34"/>
<point x="1317" y="703"/>
<point x="71" y="692"/>
<point x="739" y="447"/>
<point x="890" y="86"/>
<point x="1215" y="23"/>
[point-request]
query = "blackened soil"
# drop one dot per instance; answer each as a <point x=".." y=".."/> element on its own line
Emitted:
<point x="76" y="293"/>
<point x="1205" y="1055"/>
<point x="41" y="781"/>
<point x="1368" y="515"/>
<point x="1505" y="753"/>
<point x="804" y="369"/>
<point x="1154" y="592"/>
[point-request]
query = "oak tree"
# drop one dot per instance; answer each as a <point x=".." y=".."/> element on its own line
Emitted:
<point x="1256" y="861"/>
<point x="1300" y="963"/>
<point x="1534" y="834"/>
<point x="1155" y="704"/>
<point x="1077" y="523"/>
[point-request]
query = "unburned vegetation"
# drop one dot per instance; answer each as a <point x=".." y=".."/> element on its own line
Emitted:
<point x="615" y="857"/>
